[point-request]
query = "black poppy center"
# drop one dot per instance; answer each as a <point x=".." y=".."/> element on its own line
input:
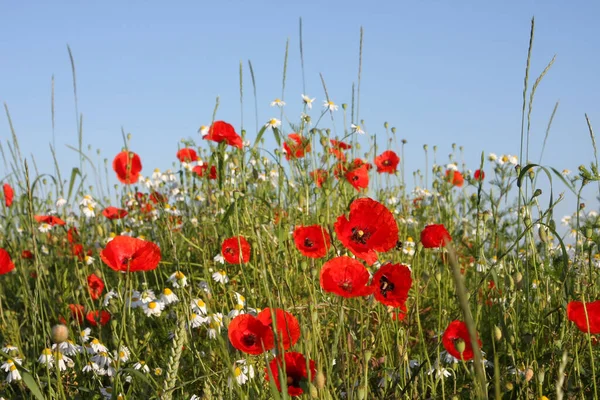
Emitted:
<point x="249" y="339"/>
<point x="360" y="236"/>
<point x="346" y="286"/>
<point x="294" y="380"/>
<point x="386" y="162"/>
<point x="308" y="242"/>
<point x="385" y="286"/>
<point x="229" y="250"/>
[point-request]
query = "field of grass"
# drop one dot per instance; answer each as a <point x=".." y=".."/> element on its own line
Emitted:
<point x="325" y="269"/>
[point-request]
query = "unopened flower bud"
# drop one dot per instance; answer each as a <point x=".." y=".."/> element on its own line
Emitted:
<point x="60" y="333"/>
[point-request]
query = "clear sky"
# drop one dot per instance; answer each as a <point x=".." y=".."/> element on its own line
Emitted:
<point x="442" y="72"/>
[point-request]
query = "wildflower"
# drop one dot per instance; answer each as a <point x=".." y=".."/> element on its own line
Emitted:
<point x="46" y="358"/>
<point x="492" y="157"/>
<point x="273" y="123"/>
<point x="250" y="335"/>
<point x="435" y="236"/>
<point x="370" y="228"/>
<point x="288" y="328"/>
<point x="9" y="194"/>
<point x="566" y="172"/>
<point x="242" y="372"/>
<point x="114" y="213"/>
<point x="127" y="165"/>
<point x="455" y="177"/>
<point x="68" y="348"/>
<point x="215" y="322"/>
<point x="220" y="277"/>
<point x="387" y="162"/>
<point x="295" y="370"/>
<point x="6" y="264"/>
<point x="91" y="367"/>
<point x="236" y="250"/>
<point x="10" y="367"/>
<point x="357" y="129"/>
<point x="392" y="283"/>
<point x="7" y="348"/>
<point x="199" y="306"/>
<point x="330" y="105"/>
<point x="93" y="317"/>
<point x="337" y="148"/>
<point x="128" y="254"/>
<point x="278" y="103"/>
<point x="197" y="320"/>
<point x="153" y="308"/>
<point x="479" y="175"/>
<point x="345" y="277"/>
<point x="95" y="286"/>
<point x="187" y="155"/>
<point x="307" y="101"/>
<point x="178" y="279"/>
<point x="296" y="146"/>
<point x="457" y="342"/>
<point x="77" y="312"/>
<point x="586" y="316"/>
<point x="319" y="176"/>
<point x="49" y="219"/>
<point x="62" y="361"/>
<point x="168" y="297"/>
<point x="200" y="170"/>
<point x="221" y="131"/>
<point x="312" y="241"/>
<point x="141" y="366"/>
<point x="358" y="177"/>
<point x="60" y="202"/>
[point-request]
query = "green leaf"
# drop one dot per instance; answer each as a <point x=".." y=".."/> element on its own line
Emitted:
<point x="32" y="385"/>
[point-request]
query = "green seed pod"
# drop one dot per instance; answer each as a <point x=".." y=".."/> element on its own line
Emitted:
<point x="460" y="345"/>
<point x="386" y="125"/>
<point x="344" y="106"/>
<point x="497" y="333"/>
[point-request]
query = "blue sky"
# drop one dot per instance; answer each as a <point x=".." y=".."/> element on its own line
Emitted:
<point x="442" y="72"/>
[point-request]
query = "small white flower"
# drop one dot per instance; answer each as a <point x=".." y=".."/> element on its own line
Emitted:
<point x="62" y="361"/>
<point x="84" y="335"/>
<point x="141" y="366"/>
<point x="60" y="202"/>
<point x="273" y="123"/>
<point x="197" y="320"/>
<point x="219" y="257"/>
<point x="178" y="279"/>
<point x="8" y="348"/>
<point x="168" y="297"/>
<point x="108" y="297"/>
<point x="199" y="306"/>
<point x="220" y="277"/>
<point x="278" y="103"/>
<point x="308" y="101"/>
<point x="68" y="348"/>
<point x="204" y="130"/>
<point x="91" y="367"/>
<point x="46" y="358"/>
<point x="242" y="372"/>
<point x="44" y="227"/>
<point x="153" y="308"/>
<point x="357" y="129"/>
<point x="97" y="346"/>
<point x="124" y="354"/>
<point x="330" y="105"/>
<point x="492" y="157"/>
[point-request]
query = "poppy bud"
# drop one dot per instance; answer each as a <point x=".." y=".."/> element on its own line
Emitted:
<point x="368" y="355"/>
<point x="497" y="334"/>
<point x="509" y="386"/>
<point x="537" y="192"/>
<point x="313" y="391"/>
<point x="385" y="125"/>
<point x="320" y="380"/>
<point x="60" y="333"/>
<point x="543" y="232"/>
<point x="528" y="374"/>
<point x="541" y="375"/>
<point x="518" y="277"/>
<point x="393" y="129"/>
<point x="588" y="233"/>
<point x="362" y="393"/>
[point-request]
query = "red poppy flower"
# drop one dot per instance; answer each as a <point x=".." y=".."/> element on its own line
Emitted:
<point x="457" y="333"/>
<point x="127" y="165"/>
<point x="49" y="219"/>
<point x="295" y="370"/>
<point x="95" y="286"/>
<point x="200" y="170"/>
<point x="435" y="236"/>
<point x="128" y="254"/>
<point x="288" y="328"/>
<point x="359" y="177"/>
<point x="73" y="235"/>
<point x="345" y="277"/>
<point x="9" y="194"/>
<point x="222" y="131"/>
<point x="387" y="162"/>
<point x="338" y="148"/>
<point x="26" y="255"/>
<point x="114" y="212"/>
<point x="319" y="176"/>
<point x="77" y="250"/>
<point x="398" y="315"/>
<point x="158" y="198"/>
<point x="77" y="312"/>
<point x="93" y="317"/>
<point x="187" y="155"/>
<point x="312" y="241"/>
<point x="479" y="175"/>
<point x="455" y="177"/>
<point x="391" y="283"/>
<point x="370" y="228"/>
<point x="248" y="334"/>
<point x="6" y="264"/>
<point x="296" y="146"/>
<point x="357" y="162"/>
<point x="236" y="250"/>
<point x="576" y="313"/>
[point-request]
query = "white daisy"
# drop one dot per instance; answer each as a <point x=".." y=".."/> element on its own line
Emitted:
<point x="199" y="306"/>
<point x="273" y="123"/>
<point x="308" y="101"/>
<point x="357" y="129"/>
<point x="153" y="308"/>
<point x="141" y="366"/>
<point x="46" y="358"/>
<point x="330" y="105"/>
<point x="178" y="279"/>
<point x="220" y="277"/>
<point x="168" y="297"/>
<point x="278" y="103"/>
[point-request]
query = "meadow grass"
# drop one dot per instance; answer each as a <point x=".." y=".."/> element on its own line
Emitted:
<point x="506" y="272"/>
